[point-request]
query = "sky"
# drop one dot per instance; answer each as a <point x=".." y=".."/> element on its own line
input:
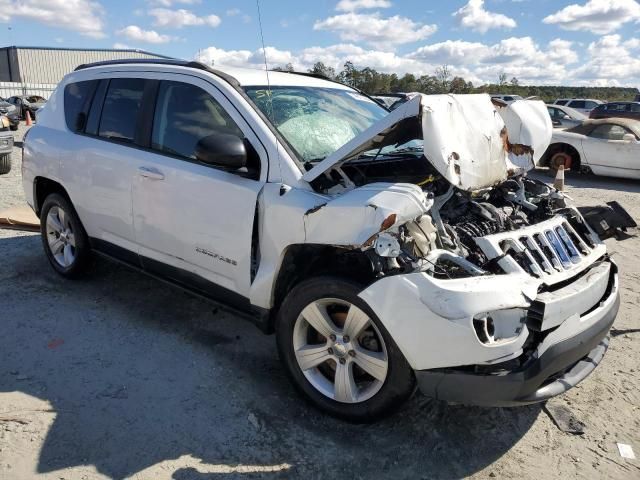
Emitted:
<point x="557" y="42"/>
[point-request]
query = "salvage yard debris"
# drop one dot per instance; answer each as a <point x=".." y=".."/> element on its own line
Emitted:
<point x="626" y="451"/>
<point x="564" y="419"/>
<point x="19" y="218"/>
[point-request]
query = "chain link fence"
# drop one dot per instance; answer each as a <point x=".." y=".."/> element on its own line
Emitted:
<point x="9" y="89"/>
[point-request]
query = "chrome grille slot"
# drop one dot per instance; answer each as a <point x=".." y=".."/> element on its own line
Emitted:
<point x="550" y="253"/>
<point x="550" y="250"/>
<point x="559" y="248"/>
<point x="571" y="249"/>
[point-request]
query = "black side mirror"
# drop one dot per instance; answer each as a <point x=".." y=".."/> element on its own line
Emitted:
<point x="222" y="150"/>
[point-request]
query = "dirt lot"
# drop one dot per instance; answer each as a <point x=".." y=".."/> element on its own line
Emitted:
<point x="121" y="376"/>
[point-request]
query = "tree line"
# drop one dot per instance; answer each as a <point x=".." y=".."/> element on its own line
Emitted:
<point x="373" y="82"/>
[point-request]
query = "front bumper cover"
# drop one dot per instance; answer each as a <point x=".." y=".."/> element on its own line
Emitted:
<point x="6" y="142"/>
<point x="559" y="363"/>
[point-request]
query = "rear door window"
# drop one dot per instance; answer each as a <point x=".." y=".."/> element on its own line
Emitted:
<point x="120" y="110"/>
<point x="590" y="105"/>
<point x="577" y="104"/>
<point x="77" y="98"/>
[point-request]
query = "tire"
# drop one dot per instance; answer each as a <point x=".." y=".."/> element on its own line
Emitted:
<point x="5" y="163"/>
<point x="64" y="239"/>
<point x="13" y="128"/>
<point x="373" y="397"/>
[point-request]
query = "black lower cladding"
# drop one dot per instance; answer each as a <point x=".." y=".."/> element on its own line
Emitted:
<point x="562" y="366"/>
<point x="186" y="280"/>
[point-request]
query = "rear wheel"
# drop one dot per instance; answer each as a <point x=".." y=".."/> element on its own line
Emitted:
<point x="5" y="163"/>
<point x="63" y="237"/>
<point x="337" y="352"/>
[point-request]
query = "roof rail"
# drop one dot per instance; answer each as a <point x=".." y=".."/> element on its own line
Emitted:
<point x="158" y="61"/>
<point x="162" y="61"/>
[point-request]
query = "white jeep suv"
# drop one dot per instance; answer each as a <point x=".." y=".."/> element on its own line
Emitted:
<point x="384" y="249"/>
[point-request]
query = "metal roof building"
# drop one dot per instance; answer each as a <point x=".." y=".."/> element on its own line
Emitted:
<point x="44" y="65"/>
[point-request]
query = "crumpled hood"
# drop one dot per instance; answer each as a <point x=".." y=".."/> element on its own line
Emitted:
<point x="355" y="217"/>
<point x="469" y="141"/>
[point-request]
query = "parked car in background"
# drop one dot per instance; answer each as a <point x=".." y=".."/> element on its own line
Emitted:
<point x="27" y="103"/>
<point x="6" y="144"/>
<point x="507" y="98"/>
<point x="565" y="117"/>
<point x="605" y="147"/>
<point x="617" y="109"/>
<point x="584" y="105"/>
<point x="11" y="112"/>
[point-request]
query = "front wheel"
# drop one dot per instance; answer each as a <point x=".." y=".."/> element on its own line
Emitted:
<point x="338" y="353"/>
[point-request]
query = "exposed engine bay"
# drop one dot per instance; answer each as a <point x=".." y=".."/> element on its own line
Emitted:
<point x="443" y="241"/>
<point x="477" y="210"/>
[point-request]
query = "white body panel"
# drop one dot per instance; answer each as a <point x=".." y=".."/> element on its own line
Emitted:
<point x="428" y="314"/>
<point x="187" y="214"/>
<point x="470" y="154"/>
<point x="200" y="219"/>
<point x="612" y="157"/>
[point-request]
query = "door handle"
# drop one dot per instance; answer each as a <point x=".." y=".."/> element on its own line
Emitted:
<point x="150" y="173"/>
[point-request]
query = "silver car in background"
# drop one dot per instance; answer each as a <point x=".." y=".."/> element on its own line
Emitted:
<point x="565" y="117"/>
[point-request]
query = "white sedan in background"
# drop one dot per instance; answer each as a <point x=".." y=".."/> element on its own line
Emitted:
<point x="609" y="146"/>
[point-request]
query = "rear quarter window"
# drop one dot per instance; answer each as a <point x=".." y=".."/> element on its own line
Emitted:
<point x="77" y="97"/>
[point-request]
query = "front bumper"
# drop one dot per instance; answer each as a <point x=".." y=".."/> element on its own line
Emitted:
<point x="559" y="363"/>
<point x="6" y="142"/>
<point x="13" y="116"/>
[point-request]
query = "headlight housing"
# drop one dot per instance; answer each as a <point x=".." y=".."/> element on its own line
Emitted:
<point x="500" y="325"/>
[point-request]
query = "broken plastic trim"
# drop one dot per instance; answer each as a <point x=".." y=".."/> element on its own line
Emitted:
<point x="434" y="256"/>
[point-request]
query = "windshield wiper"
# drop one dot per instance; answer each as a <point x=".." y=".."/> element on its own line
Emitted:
<point x="414" y="148"/>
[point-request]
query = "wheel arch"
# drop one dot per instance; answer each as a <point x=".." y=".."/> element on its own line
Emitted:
<point x="562" y="147"/>
<point x="42" y="188"/>
<point x="303" y="261"/>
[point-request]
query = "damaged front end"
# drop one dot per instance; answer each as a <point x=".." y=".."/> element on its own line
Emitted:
<point x="495" y="290"/>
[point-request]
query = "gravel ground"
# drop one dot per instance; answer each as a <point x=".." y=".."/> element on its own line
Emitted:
<point x="121" y="376"/>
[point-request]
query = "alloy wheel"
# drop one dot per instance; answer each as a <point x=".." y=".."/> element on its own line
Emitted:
<point x="60" y="237"/>
<point x="340" y="350"/>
